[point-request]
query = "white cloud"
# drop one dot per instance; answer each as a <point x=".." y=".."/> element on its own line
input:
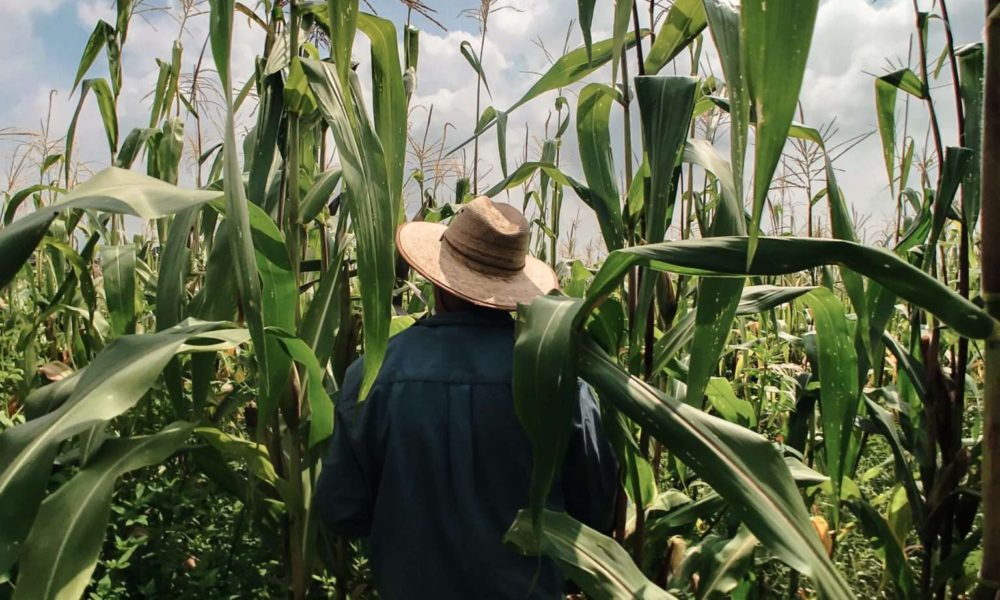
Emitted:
<point x="852" y="38"/>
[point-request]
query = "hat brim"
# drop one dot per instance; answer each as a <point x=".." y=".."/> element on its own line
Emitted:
<point x="420" y="245"/>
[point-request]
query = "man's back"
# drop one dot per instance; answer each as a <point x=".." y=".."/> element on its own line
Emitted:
<point x="434" y="465"/>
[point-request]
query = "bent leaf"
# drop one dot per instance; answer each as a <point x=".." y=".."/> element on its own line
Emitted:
<point x="739" y="464"/>
<point x="61" y="552"/>
<point x="113" y="383"/>
<point x="595" y="562"/>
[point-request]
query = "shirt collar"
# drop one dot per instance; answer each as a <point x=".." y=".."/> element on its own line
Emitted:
<point x="472" y="316"/>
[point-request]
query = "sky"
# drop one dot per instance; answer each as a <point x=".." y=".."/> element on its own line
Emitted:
<point x="854" y="41"/>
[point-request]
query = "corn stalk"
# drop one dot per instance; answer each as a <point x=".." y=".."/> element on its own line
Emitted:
<point x="989" y="586"/>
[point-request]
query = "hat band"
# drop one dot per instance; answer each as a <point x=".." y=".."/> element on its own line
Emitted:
<point x="479" y="263"/>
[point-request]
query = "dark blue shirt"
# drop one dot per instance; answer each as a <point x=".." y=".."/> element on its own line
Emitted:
<point x="434" y="465"/>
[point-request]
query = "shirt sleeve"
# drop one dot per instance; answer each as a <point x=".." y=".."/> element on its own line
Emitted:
<point x="590" y="473"/>
<point x="345" y="491"/>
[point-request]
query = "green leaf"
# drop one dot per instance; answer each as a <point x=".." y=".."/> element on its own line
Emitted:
<point x="241" y="244"/>
<point x="595" y="562"/>
<point x="320" y="405"/>
<point x="739" y="464"/>
<point x="779" y="256"/>
<point x="21" y="195"/>
<point x="619" y="27"/>
<point x="132" y="145"/>
<point x="568" y="69"/>
<point x="720" y="563"/>
<point x="545" y="387"/>
<point x="113" y="383"/>
<point x="637" y="475"/>
<point x="171" y="292"/>
<point x="261" y="158"/>
<point x="411" y="47"/>
<point x="718" y="298"/>
<point x="112" y="190"/>
<point x="775" y="37"/>
<point x="876" y="529"/>
<point x="885" y="424"/>
<point x="100" y="36"/>
<point x="724" y="22"/>
<point x="586" y="15"/>
<point x="109" y="116"/>
<point x="593" y="134"/>
<point x="118" y="267"/>
<point x="685" y="21"/>
<point x="665" y="107"/>
<point x="838" y="379"/>
<point x="389" y="102"/>
<point x="321" y="321"/>
<point x="343" y="17"/>
<point x="724" y="401"/>
<point x="886" y="88"/>
<point x="906" y="80"/>
<point x="473" y="59"/>
<point x="61" y="552"/>
<point x="370" y="205"/>
<point x="319" y="194"/>
<point x="885" y="110"/>
<point x="251" y="454"/>
<point x="761" y="298"/>
<point x="278" y="300"/>
<point x="970" y="68"/>
<point x="957" y="166"/>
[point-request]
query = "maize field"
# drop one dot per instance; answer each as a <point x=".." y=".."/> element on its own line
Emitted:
<point x="797" y="411"/>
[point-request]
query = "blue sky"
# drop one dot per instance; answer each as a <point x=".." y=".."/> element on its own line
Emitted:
<point x="41" y="41"/>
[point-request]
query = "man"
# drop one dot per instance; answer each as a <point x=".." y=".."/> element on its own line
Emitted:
<point x="433" y="465"/>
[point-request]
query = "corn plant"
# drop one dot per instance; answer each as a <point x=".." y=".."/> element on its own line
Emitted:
<point x="744" y="379"/>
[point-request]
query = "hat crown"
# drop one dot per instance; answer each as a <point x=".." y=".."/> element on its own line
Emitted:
<point x="489" y="236"/>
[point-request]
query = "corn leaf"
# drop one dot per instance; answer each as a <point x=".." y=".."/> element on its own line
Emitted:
<point x="112" y="190"/>
<point x="61" y="552"/>
<point x="619" y="27"/>
<point x="886" y="87"/>
<point x="718" y="298"/>
<point x="568" y="69"/>
<point x="343" y="19"/>
<point x="970" y="68"/>
<point x="586" y="16"/>
<point x="370" y="205"/>
<point x="98" y="39"/>
<point x="775" y="38"/>
<point x="389" y="102"/>
<point x="743" y="467"/>
<point x="884" y="542"/>
<point x="724" y="23"/>
<point x="595" y="562"/>
<point x="727" y="256"/>
<point x="957" y="166"/>
<point x="545" y="388"/>
<point x="593" y="136"/>
<point x="320" y="405"/>
<point x="319" y="194"/>
<point x="237" y="210"/>
<point x="109" y="116"/>
<point x="665" y="107"/>
<point x="685" y="20"/>
<point x="719" y="563"/>
<point x="469" y="53"/>
<point x="118" y="267"/>
<point x="113" y="383"/>
<point x="838" y="379"/>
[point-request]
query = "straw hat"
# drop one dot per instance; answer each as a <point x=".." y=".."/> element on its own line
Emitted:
<point x="482" y="256"/>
